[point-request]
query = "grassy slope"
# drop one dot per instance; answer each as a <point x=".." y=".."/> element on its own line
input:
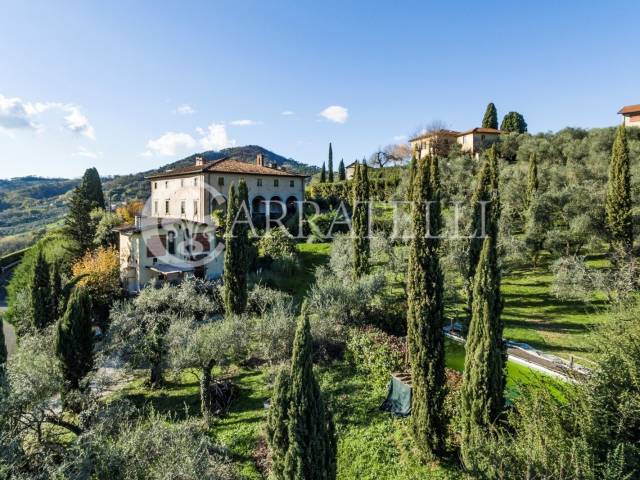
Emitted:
<point x="372" y="444"/>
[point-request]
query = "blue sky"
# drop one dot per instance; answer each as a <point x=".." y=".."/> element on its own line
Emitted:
<point x="127" y="86"/>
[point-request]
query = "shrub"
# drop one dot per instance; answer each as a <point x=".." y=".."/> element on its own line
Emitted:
<point x="277" y="243"/>
<point x="376" y="354"/>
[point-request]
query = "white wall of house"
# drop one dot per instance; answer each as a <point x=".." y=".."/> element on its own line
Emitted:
<point x="632" y="120"/>
<point x="474" y="141"/>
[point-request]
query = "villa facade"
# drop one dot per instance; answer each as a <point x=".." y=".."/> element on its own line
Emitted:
<point x="177" y="236"/>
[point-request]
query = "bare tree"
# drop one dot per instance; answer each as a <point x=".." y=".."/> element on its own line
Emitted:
<point x="392" y="154"/>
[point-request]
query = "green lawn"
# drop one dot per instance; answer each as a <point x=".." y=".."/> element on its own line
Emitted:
<point x="535" y="316"/>
<point x="532" y="314"/>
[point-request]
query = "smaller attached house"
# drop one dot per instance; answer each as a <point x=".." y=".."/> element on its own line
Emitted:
<point x="478" y="139"/>
<point x="167" y="249"/>
<point x="631" y="114"/>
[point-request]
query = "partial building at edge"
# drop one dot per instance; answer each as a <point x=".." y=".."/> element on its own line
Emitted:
<point x="177" y="238"/>
<point x="631" y="115"/>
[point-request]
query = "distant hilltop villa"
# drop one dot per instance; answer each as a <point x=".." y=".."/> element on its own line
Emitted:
<point x="631" y="114"/>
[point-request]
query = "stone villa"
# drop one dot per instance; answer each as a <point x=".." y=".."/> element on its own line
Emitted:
<point x="177" y="237"/>
<point x="440" y="141"/>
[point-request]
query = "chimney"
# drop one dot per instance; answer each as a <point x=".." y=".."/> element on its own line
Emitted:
<point x="260" y="160"/>
<point x="199" y="161"/>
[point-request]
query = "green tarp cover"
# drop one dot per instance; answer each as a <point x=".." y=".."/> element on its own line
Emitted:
<point x="398" y="399"/>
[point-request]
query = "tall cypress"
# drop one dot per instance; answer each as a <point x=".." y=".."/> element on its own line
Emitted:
<point x="618" y="201"/>
<point x="486" y="210"/>
<point x="532" y="179"/>
<point x="92" y="185"/>
<point x="323" y="174"/>
<point x="342" y="173"/>
<point x="41" y="307"/>
<point x="57" y="303"/>
<point x="311" y="444"/>
<point x="490" y="119"/>
<point x="482" y="395"/>
<point x="425" y="314"/>
<point x="236" y="240"/>
<point x="74" y="340"/>
<point x="78" y="226"/>
<point x="413" y="166"/>
<point x="360" y="220"/>
<point x="330" y="164"/>
<point x="3" y="348"/>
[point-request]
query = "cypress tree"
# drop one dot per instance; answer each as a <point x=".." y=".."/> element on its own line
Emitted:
<point x="342" y="173"/>
<point x="486" y="211"/>
<point x="74" y="341"/>
<point x="41" y="307"/>
<point x="360" y="221"/>
<point x="78" y="225"/>
<point x="92" y="185"/>
<point x="3" y="348"/>
<point x="330" y="164"/>
<point x="490" y="119"/>
<point x="323" y="174"/>
<point x="311" y="452"/>
<point x="618" y="202"/>
<point x="425" y="315"/>
<point x="482" y="395"/>
<point x="57" y="303"/>
<point x="235" y="263"/>
<point x="278" y="424"/>
<point x="413" y="165"/>
<point x="532" y="179"/>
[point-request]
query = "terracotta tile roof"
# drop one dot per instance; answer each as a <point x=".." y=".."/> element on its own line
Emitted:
<point x="226" y="165"/>
<point x="629" y="109"/>
<point x="442" y="132"/>
<point x="480" y="130"/>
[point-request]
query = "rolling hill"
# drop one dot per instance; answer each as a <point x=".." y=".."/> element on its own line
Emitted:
<point x="28" y="205"/>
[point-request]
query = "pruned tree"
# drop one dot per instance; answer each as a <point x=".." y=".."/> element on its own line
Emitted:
<point x="236" y="244"/>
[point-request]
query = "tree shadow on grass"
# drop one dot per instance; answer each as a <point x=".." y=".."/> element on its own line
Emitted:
<point x="181" y="400"/>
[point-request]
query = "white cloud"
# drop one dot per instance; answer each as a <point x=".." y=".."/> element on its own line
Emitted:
<point x="14" y="114"/>
<point x="244" y="123"/>
<point x="171" y="143"/>
<point x="18" y="114"/>
<point x="399" y="138"/>
<point x="288" y="112"/>
<point x="215" y="137"/>
<point x="335" y="113"/>
<point x="185" y="109"/>
<point x="84" y="152"/>
<point x="78" y="123"/>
